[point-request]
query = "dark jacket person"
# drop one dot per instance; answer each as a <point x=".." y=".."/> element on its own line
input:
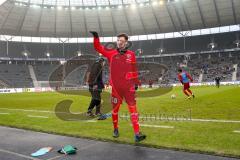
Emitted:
<point x="96" y="86"/>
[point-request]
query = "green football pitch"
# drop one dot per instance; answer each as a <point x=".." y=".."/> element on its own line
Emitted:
<point x="210" y="123"/>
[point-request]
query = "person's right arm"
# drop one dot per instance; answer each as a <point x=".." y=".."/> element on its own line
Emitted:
<point x="97" y="45"/>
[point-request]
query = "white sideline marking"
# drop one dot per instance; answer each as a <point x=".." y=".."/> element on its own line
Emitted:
<point x="156" y="126"/>
<point x="215" y="120"/>
<point x="208" y="120"/>
<point x="168" y="119"/>
<point x="5" y="113"/>
<point x="188" y="119"/>
<point x="38" y="111"/>
<point x="27" y="110"/>
<point x="32" y="116"/>
<point x="91" y="121"/>
<point x="236" y="131"/>
<point x="18" y="154"/>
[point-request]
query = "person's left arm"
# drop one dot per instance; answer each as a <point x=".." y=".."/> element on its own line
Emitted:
<point x="135" y="71"/>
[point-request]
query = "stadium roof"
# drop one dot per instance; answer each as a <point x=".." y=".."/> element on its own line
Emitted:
<point x="2" y="1"/>
<point x="74" y="18"/>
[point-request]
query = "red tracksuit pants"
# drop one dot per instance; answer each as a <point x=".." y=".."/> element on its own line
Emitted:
<point x="128" y="93"/>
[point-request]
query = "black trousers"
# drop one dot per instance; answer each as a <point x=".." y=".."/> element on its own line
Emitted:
<point x="95" y="101"/>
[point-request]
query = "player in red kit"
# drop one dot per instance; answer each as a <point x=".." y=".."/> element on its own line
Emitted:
<point x="123" y="79"/>
<point x="185" y="79"/>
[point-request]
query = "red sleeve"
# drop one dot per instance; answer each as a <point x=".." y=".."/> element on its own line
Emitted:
<point x="189" y="76"/>
<point x="180" y="78"/>
<point x="100" y="48"/>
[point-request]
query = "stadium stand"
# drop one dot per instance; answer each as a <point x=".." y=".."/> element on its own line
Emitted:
<point x="208" y="66"/>
<point x="16" y="75"/>
<point x="43" y="71"/>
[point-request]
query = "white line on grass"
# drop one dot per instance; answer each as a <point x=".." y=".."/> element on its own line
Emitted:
<point x="236" y="131"/>
<point x="38" y="111"/>
<point x="156" y="126"/>
<point x="161" y="119"/>
<point x="5" y="113"/>
<point x="186" y="119"/>
<point x="215" y="120"/>
<point x="27" y="110"/>
<point x="91" y="121"/>
<point x="18" y="154"/>
<point x="32" y="116"/>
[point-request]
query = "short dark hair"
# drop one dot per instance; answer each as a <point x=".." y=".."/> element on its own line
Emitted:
<point x="179" y="70"/>
<point x="123" y="35"/>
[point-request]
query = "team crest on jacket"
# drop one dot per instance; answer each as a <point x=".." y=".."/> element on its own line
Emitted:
<point x="129" y="56"/>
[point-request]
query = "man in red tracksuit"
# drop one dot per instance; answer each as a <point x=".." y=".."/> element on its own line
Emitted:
<point x="123" y="79"/>
<point x="185" y="79"/>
